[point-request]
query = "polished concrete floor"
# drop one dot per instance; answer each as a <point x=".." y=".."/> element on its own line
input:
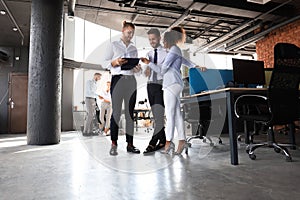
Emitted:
<point x="81" y="168"/>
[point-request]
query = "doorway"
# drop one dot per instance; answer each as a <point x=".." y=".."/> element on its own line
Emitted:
<point x="17" y="108"/>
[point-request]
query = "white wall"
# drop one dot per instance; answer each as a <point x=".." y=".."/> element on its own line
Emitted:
<point x="214" y="61"/>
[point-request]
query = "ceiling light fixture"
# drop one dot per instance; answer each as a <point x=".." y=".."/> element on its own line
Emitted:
<point x="14" y="29"/>
<point x="2" y="12"/>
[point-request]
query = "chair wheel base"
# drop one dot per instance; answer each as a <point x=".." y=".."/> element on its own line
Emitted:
<point x="277" y="150"/>
<point x="252" y="156"/>
<point x="288" y="159"/>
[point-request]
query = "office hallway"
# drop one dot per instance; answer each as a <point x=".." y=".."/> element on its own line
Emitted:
<point x="81" y="168"/>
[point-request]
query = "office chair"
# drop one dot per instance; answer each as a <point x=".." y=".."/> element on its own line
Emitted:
<point x="288" y="52"/>
<point x="279" y="107"/>
<point x="197" y="116"/>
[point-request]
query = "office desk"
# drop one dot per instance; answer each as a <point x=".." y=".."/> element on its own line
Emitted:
<point x="228" y="96"/>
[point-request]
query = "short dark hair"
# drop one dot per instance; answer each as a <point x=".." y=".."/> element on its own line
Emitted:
<point x="154" y="31"/>
<point x="97" y="74"/>
<point x="126" y="24"/>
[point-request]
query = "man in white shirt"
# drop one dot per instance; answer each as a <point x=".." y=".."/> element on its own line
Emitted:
<point x="90" y="102"/>
<point x="105" y="109"/>
<point x="155" y="92"/>
<point x="123" y="86"/>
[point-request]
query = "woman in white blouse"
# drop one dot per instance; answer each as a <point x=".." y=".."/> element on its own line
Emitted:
<point x="173" y="86"/>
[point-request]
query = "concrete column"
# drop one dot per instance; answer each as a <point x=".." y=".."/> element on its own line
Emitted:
<point x="45" y="72"/>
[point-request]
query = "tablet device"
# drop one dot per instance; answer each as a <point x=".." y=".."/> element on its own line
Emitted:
<point x="131" y="63"/>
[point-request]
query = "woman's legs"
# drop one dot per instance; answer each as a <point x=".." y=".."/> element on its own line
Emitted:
<point x="173" y="113"/>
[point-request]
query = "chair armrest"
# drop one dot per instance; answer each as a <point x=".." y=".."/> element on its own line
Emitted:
<point x="249" y="100"/>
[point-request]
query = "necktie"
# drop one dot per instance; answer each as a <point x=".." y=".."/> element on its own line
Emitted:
<point x="154" y="74"/>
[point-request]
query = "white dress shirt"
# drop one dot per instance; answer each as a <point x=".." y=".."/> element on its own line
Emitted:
<point x="170" y="68"/>
<point x="118" y="49"/>
<point x="161" y="55"/>
<point x="105" y="95"/>
<point x="91" y="88"/>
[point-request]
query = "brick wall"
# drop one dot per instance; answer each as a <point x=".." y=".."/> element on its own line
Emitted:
<point x="289" y="33"/>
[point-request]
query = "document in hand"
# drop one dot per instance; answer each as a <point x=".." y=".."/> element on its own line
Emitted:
<point x="131" y="63"/>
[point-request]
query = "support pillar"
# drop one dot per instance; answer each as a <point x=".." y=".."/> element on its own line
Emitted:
<point x="45" y="72"/>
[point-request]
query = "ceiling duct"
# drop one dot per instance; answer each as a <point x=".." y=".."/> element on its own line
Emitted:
<point x="4" y="57"/>
<point x="71" y="8"/>
<point x="259" y="1"/>
<point x="222" y="40"/>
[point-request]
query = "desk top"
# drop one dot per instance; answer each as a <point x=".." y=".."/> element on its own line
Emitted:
<point x="224" y="90"/>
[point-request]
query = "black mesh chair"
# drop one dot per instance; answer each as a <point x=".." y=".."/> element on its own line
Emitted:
<point x="198" y="116"/>
<point x="291" y="53"/>
<point x="279" y="107"/>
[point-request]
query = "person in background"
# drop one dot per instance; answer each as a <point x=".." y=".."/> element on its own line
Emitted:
<point x="123" y="86"/>
<point x="105" y="110"/>
<point x="90" y="102"/>
<point x="173" y="86"/>
<point x="155" y="92"/>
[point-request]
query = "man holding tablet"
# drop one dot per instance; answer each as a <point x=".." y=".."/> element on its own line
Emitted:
<point x="123" y="85"/>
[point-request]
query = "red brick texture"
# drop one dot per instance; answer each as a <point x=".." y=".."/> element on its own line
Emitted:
<point x="289" y="33"/>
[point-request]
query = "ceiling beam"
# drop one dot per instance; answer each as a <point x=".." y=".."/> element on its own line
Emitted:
<point x="287" y="10"/>
<point x="222" y="39"/>
<point x="260" y="35"/>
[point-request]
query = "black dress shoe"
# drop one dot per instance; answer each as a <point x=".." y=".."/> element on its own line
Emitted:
<point x="159" y="146"/>
<point x="94" y="134"/>
<point x="86" y="134"/>
<point x="113" y="150"/>
<point x="132" y="149"/>
<point x="149" y="149"/>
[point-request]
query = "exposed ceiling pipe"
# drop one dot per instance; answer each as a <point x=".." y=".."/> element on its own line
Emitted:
<point x="87" y="7"/>
<point x="234" y="37"/>
<point x="132" y="3"/>
<point x="239" y="28"/>
<point x="261" y="34"/>
<point x="181" y="18"/>
<point x="135" y="18"/>
<point x="11" y="17"/>
<point x="71" y="8"/>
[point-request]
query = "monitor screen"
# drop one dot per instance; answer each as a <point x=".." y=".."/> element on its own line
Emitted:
<point x="248" y="72"/>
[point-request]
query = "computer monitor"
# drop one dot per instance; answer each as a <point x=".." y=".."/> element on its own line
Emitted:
<point x="248" y="72"/>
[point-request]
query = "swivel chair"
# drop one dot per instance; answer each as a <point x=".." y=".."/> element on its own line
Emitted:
<point x="197" y="116"/>
<point x="288" y="52"/>
<point x="279" y="107"/>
